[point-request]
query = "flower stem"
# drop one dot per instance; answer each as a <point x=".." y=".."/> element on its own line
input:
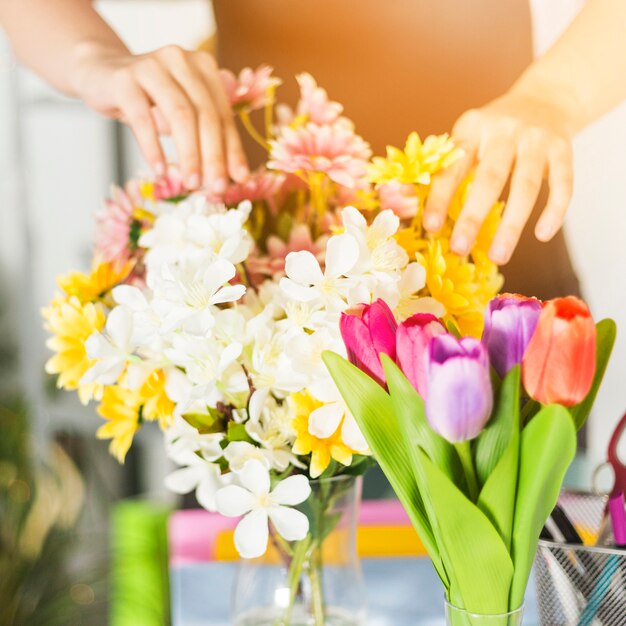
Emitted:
<point x="244" y="116"/>
<point x="317" y="593"/>
<point x="465" y="454"/>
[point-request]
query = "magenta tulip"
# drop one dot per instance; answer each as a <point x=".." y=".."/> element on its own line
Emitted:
<point x="368" y="331"/>
<point x="459" y="396"/>
<point x="509" y="325"/>
<point x="412" y="339"/>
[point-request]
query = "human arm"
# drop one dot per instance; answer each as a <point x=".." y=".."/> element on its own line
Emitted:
<point x="173" y="90"/>
<point x="527" y="133"/>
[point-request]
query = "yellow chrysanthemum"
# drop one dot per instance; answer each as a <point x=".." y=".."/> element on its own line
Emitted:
<point x="464" y="288"/>
<point x="122" y="409"/>
<point x="321" y="450"/>
<point x="417" y="162"/>
<point x="71" y="323"/>
<point x="97" y="284"/>
<point x="156" y="403"/>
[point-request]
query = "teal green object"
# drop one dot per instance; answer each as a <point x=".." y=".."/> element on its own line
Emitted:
<point x="140" y="593"/>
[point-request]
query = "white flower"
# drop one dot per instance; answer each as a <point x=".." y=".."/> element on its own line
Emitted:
<point x="238" y="453"/>
<point x="305" y="280"/>
<point x="257" y="503"/>
<point x="203" y="477"/>
<point x="183" y="443"/>
<point x="111" y="349"/>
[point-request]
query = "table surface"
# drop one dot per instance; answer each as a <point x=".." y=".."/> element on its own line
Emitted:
<point x="401" y="592"/>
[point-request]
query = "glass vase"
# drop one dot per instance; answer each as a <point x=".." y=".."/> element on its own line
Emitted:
<point x="313" y="582"/>
<point x="460" y="617"/>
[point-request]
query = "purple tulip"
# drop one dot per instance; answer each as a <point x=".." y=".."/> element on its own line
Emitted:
<point x="412" y="339"/>
<point x="509" y="325"/>
<point x="459" y="397"/>
<point x="367" y="331"/>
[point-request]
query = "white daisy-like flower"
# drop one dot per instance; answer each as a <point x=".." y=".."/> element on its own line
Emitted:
<point x="253" y="499"/>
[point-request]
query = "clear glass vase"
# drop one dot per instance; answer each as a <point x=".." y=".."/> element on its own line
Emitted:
<point x="313" y="582"/>
<point x="460" y="617"/>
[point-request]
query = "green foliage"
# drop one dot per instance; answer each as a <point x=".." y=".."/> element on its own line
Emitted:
<point x="207" y="423"/>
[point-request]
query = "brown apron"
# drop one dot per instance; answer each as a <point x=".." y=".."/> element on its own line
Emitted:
<point x="398" y="66"/>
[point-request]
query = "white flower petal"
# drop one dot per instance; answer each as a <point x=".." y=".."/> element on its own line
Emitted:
<point x="120" y="326"/>
<point x="352" y="435"/>
<point x="255" y="477"/>
<point x="257" y="401"/>
<point x="129" y="296"/>
<point x="228" y="294"/>
<point x="290" y="524"/>
<point x="304" y="268"/>
<point x="342" y="252"/>
<point x="251" y="535"/>
<point x="233" y="501"/>
<point x="183" y="480"/>
<point x="324" y="421"/>
<point x="298" y="292"/>
<point x="292" y="490"/>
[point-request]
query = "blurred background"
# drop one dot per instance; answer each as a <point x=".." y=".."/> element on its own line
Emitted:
<point x="397" y="67"/>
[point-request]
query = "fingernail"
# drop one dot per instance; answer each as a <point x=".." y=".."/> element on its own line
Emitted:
<point x="241" y="173"/>
<point x="432" y="222"/>
<point x="460" y="245"/>
<point x="193" y="181"/>
<point x="544" y="231"/>
<point x="219" y="185"/>
<point x="498" y="253"/>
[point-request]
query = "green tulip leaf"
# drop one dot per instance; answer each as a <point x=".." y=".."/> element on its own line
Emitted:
<point x="476" y="559"/>
<point x="496" y="436"/>
<point x="606" y="331"/>
<point x="547" y="448"/>
<point x="409" y="410"/>
<point x="373" y="410"/>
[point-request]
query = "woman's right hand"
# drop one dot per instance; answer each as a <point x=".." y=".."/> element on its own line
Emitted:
<point x="168" y="91"/>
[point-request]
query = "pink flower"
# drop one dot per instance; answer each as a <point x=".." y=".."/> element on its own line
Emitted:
<point x="260" y="186"/>
<point x="252" y="89"/>
<point x="314" y="102"/>
<point x="333" y="149"/>
<point x="401" y="199"/>
<point x="113" y="224"/>
<point x="170" y="185"/>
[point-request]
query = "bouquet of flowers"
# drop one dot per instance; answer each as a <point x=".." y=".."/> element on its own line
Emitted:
<point x="476" y="435"/>
<point x="209" y="313"/>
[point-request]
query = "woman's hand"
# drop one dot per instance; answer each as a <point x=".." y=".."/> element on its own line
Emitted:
<point x="519" y="136"/>
<point x="169" y="91"/>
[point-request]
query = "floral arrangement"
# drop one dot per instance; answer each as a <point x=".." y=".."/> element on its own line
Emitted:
<point x="475" y="435"/>
<point x="209" y="314"/>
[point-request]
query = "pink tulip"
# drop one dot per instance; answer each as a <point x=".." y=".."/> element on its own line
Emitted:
<point x="367" y="332"/>
<point x="412" y="339"/>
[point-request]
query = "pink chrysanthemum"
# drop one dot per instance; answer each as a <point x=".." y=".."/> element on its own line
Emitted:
<point x="332" y="149"/>
<point x="114" y="223"/>
<point x="314" y="102"/>
<point x="170" y="185"/>
<point x="252" y="89"/>
<point x="401" y="199"/>
<point x="260" y="186"/>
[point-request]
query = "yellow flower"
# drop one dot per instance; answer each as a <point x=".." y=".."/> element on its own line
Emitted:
<point x="321" y="450"/>
<point x="156" y="403"/>
<point x="122" y="409"/>
<point x="464" y="288"/>
<point x="71" y="323"/>
<point x="97" y="284"/>
<point x="417" y="163"/>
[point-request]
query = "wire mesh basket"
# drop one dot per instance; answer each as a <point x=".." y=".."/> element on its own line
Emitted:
<point x="582" y="585"/>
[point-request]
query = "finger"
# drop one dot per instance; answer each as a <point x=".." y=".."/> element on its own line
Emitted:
<point x="180" y="114"/>
<point x="136" y="110"/>
<point x="525" y="187"/>
<point x="235" y="156"/>
<point x="491" y="176"/>
<point x="561" y="181"/>
<point x="443" y="189"/>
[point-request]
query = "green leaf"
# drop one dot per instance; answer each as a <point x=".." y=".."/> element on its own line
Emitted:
<point x="238" y="432"/>
<point x="495" y="438"/>
<point x="373" y="410"/>
<point x="474" y="555"/>
<point x="548" y="446"/>
<point x="605" y="339"/>
<point x="206" y="423"/>
<point x="453" y="329"/>
<point x="409" y="410"/>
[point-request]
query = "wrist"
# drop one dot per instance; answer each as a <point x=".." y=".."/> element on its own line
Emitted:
<point x="88" y="59"/>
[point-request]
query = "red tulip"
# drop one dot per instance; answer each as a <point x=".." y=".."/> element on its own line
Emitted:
<point x="367" y="331"/>
<point x="560" y="360"/>
<point x="412" y="339"/>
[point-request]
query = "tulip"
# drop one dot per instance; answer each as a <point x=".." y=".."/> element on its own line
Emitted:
<point x="459" y="396"/>
<point x="412" y="339"/>
<point x="560" y="360"/>
<point x="367" y="331"/>
<point x="509" y="324"/>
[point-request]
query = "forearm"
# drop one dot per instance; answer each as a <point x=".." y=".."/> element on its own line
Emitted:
<point x="584" y="72"/>
<point x="53" y="36"/>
